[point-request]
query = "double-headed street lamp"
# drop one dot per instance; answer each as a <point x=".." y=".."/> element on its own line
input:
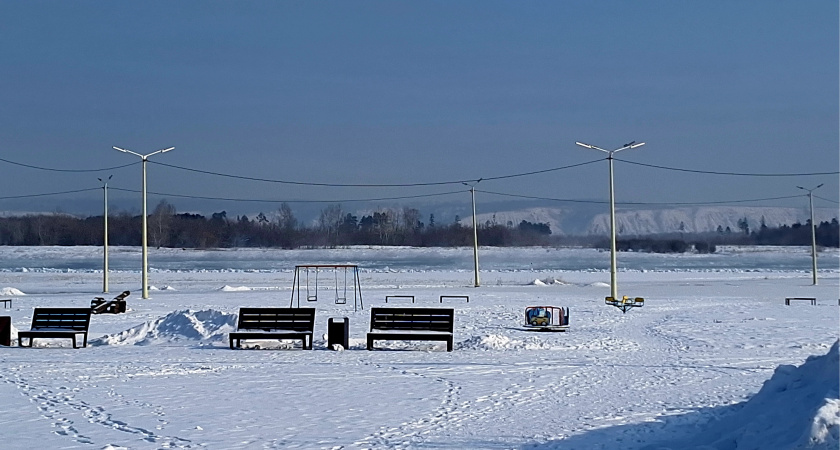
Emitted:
<point x="145" y="228"/>
<point x="105" y="219"/>
<point x="813" y="231"/>
<point x="634" y="144"/>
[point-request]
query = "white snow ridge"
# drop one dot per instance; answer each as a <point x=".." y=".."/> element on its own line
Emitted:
<point x="10" y="291"/>
<point x="797" y="408"/>
<point x="186" y="325"/>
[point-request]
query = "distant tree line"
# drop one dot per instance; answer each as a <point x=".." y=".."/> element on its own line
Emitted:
<point x="389" y="226"/>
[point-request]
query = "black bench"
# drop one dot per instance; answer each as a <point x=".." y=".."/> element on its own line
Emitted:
<point x="412" y="324"/>
<point x="7" y="303"/>
<point x="807" y="299"/>
<point x="275" y="323"/>
<point x="388" y="297"/>
<point x="57" y="323"/>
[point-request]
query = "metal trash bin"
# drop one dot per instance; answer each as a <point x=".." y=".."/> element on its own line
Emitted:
<point x="5" y="331"/>
<point x="338" y="332"/>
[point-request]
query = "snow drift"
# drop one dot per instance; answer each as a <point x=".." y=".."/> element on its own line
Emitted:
<point x="186" y="325"/>
<point x="797" y="408"/>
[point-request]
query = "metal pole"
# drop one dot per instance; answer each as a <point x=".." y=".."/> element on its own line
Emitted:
<point x="813" y="237"/>
<point x="613" y="282"/>
<point x="475" y="237"/>
<point x="105" y="265"/>
<point x="144" y="241"/>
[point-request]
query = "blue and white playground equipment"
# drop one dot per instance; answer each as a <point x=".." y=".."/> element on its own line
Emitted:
<point x="546" y="318"/>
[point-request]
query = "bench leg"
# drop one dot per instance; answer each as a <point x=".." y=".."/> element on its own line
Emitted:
<point x="370" y="343"/>
<point x="450" y="344"/>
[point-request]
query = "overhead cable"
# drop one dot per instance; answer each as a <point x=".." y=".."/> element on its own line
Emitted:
<point x="643" y="203"/>
<point x="292" y="201"/>
<point x="48" y="194"/>
<point x="368" y="185"/>
<point x="731" y="173"/>
<point x="67" y="170"/>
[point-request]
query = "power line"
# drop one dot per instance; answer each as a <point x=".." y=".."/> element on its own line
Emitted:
<point x="368" y="185"/>
<point x="48" y="194"/>
<point x="293" y="201"/>
<point x="730" y="173"/>
<point x="644" y="203"/>
<point x="66" y="170"/>
<point x="826" y="199"/>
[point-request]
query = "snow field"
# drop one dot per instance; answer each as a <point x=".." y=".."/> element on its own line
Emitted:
<point x="673" y="374"/>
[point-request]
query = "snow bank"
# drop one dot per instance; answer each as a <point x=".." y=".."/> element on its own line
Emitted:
<point x="10" y="291"/>
<point x="227" y="288"/>
<point x="186" y="325"/>
<point x="548" y="281"/>
<point x="797" y="408"/>
<point x="501" y="342"/>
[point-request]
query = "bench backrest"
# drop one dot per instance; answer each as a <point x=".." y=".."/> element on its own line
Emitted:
<point x="68" y="318"/>
<point x="297" y="319"/>
<point x="425" y="319"/>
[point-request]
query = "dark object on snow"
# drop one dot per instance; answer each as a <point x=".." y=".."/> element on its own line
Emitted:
<point x="412" y="324"/>
<point x="99" y="305"/>
<point x="275" y="324"/>
<point x="57" y="323"/>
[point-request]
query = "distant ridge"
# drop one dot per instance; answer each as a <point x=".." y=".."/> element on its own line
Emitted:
<point x="571" y="221"/>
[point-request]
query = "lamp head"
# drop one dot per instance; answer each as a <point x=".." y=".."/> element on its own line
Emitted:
<point x="583" y="145"/>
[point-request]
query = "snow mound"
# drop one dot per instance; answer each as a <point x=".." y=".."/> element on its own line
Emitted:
<point x="186" y="325"/>
<point x="168" y="288"/>
<point x="501" y="342"/>
<point x="599" y="284"/>
<point x="797" y="408"/>
<point x="227" y="288"/>
<point x="10" y="291"/>
<point x="548" y="281"/>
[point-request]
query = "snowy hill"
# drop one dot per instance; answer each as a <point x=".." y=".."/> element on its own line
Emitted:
<point x="652" y="221"/>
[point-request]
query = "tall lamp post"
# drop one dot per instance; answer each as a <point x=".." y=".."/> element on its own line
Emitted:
<point x="105" y="221"/>
<point x="145" y="228"/>
<point x="813" y="231"/>
<point x="475" y="231"/>
<point x="634" y="144"/>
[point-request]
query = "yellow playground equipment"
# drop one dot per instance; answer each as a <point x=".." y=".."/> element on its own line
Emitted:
<point x="626" y="303"/>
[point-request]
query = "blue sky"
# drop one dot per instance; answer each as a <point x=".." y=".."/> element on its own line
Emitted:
<point x="418" y="92"/>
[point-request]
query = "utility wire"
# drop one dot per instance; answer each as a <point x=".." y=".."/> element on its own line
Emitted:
<point x="67" y="170"/>
<point x="644" y="203"/>
<point x="826" y="199"/>
<point x="48" y="193"/>
<point x="305" y="183"/>
<point x="292" y="201"/>
<point x="730" y="173"/>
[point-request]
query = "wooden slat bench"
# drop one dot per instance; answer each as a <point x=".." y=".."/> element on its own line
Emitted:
<point x="58" y="323"/>
<point x="412" y="324"/>
<point x="807" y="299"/>
<point x="7" y="303"/>
<point x="275" y="324"/>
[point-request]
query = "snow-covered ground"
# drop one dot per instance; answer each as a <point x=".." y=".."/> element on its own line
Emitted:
<point x="713" y="359"/>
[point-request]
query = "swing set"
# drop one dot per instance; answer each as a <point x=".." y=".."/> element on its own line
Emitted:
<point x="310" y="279"/>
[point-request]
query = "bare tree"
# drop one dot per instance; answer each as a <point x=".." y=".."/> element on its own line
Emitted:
<point x="160" y="223"/>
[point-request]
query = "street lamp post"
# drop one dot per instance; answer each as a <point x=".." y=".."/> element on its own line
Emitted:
<point x="105" y="221"/>
<point x="813" y="231"/>
<point x="145" y="228"/>
<point x="475" y="232"/>
<point x="634" y="144"/>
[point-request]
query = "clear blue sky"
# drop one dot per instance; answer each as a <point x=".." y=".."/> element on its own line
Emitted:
<point x="415" y="92"/>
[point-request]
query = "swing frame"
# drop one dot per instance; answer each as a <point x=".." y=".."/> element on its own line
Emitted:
<point x="302" y="276"/>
